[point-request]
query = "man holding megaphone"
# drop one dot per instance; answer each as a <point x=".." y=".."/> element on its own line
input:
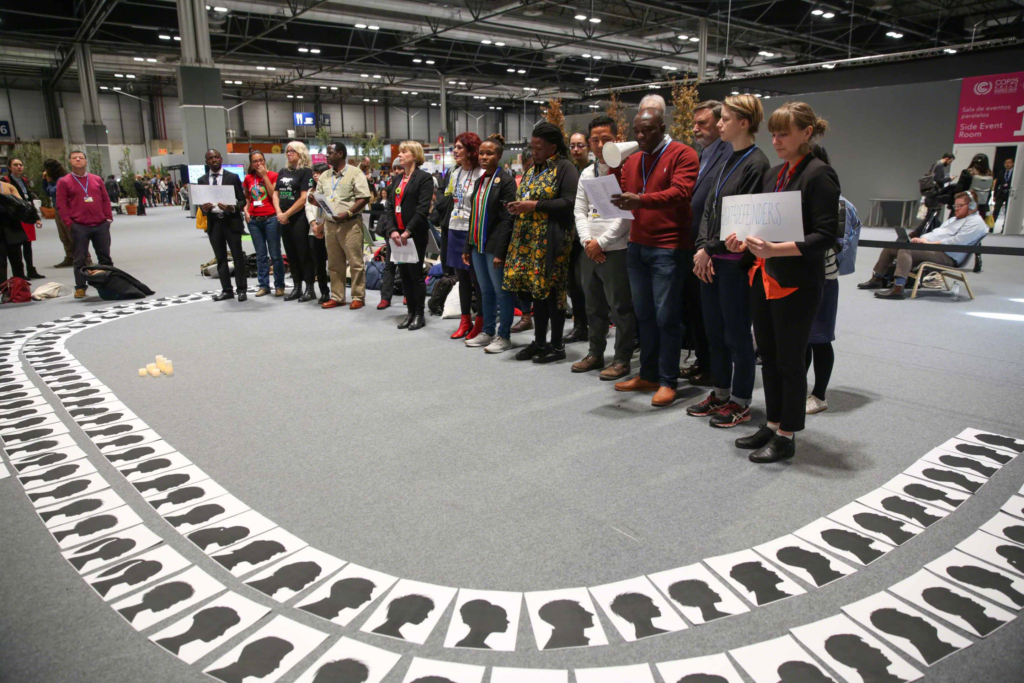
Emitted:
<point x="657" y="177"/>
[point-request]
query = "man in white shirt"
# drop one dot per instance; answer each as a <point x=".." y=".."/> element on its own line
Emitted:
<point x="965" y="226"/>
<point x="603" y="270"/>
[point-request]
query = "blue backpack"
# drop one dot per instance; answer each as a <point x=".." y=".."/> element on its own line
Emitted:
<point x="846" y="259"/>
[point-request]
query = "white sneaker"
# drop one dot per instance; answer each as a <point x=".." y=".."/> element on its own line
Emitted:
<point x="499" y="345"/>
<point x="481" y="339"/>
<point x="815" y="405"/>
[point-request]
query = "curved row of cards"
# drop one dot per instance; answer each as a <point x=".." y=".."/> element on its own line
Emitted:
<point x="977" y="587"/>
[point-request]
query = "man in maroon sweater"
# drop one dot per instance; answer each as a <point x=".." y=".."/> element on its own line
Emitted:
<point x="657" y="185"/>
<point x="84" y="206"/>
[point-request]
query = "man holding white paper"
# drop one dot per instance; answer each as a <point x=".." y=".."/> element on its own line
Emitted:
<point x="224" y="224"/>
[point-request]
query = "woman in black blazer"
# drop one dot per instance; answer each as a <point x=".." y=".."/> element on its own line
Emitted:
<point x="787" y="279"/>
<point x="490" y="230"/>
<point x="406" y="219"/>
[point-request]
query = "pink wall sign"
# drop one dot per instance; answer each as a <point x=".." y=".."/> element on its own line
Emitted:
<point x="991" y="110"/>
<point x="317" y="159"/>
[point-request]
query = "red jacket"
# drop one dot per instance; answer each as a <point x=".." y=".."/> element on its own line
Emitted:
<point x="71" y="202"/>
<point x="664" y="217"/>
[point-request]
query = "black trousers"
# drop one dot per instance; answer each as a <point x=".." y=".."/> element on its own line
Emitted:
<point x="295" y="234"/>
<point x="318" y="253"/>
<point x="222" y="238"/>
<point x="81" y="235"/>
<point x="413" y="284"/>
<point x="695" y="336"/>
<point x="782" y="328"/>
<point x="10" y="252"/>
<point x="577" y="294"/>
<point x="468" y="286"/>
<point x="387" y="281"/>
<point x="1000" y="203"/>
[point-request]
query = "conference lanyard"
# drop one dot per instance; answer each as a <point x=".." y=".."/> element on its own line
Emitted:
<point x="722" y="181"/>
<point x="786" y="174"/>
<point x="337" y="179"/>
<point x="643" y="166"/>
<point x="85" y="188"/>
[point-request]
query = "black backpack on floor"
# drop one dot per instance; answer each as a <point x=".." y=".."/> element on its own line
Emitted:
<point x="440" y="294"/>
<point x="114" y="284"/>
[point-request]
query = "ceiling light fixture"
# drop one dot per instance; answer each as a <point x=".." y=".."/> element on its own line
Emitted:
<point x="594" y="106"/>
<point x="177" y="38"/>
<point x="375" y="100"/>
<point x="271" y="68"/>
<point x="451" y="82"/>
<point x="236" y="82"/>
<point x="373" y="27"/>
<point x="597" y="56"/>
<point x="511" y="71"/>
<point x="366" y="99"/>
<point x="323" y="87"/>
<point x="828" y="15"/>
<point x="500" y="44"/>
<point x="521" y="71"/>
<point x="595" y="20"/>
<point x="828" y="66"/>
<point x="765" y="53"/>
<point x="314" y="50"/>
<point x="103" y="87"/>
<point x="303" y="49"/>
<point x="684" y="37"/>
<point x="376" y="75"/>
<point x="652" y="87"/>
<point x="151" y="60"/>
<point x="694" y="39"/>
<point x="222" y="10"/>
<point x="485" y="41"/>
<point x="414" y="93"/>
<point x="817" y="12"/>
<point x="291" y="97"/>
<point x="581" y="17"/>
<point x="417" y="61"/>
<point x="735" y="92"/>
<point x="462" y="82"/>
<point x="334" y="87"/>
<point x="949" y="51"/>
<point x="894" y="34"/>
<point x="360" y="25"/>
<point x="164" y="36"/>
<point x="364" y="75"/>
<point x="430" y="61"/>
<point x="405" y="92"/>
<point x="115" y="88"/>
<point x="139" y="59"/>
<point x="586" y="55"/>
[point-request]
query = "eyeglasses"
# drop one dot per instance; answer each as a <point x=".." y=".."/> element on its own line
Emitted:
<point x="961" y="206"/>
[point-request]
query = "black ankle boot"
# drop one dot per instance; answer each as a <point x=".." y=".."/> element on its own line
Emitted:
<point x="779" y="448"/>
<point x="407" y="322"/>
<point x="308" y="295"/>
<point x="295" y="293"/>
<point x="417" y="321"/>
<point x="325" y="294"/>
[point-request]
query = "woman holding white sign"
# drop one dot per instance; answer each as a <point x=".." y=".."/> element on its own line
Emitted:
<point x="725" y="286"/>
<point x="787" y="279"/>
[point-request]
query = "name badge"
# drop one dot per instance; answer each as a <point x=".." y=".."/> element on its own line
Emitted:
<point x="88" y="199"/>
<point x="257" y="202"/>
<point x="398" y="209"/>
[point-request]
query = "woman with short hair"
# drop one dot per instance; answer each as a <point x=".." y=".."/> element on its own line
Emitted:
<point x="408" y="204"/>
<point x="293" y="184"/>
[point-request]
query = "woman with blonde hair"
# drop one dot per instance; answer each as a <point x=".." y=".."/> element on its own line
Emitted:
<point x="787" y="279"/>
<point x="293" y="184"/>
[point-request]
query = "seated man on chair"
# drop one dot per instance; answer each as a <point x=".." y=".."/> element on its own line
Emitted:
<point x="965" y="226"/>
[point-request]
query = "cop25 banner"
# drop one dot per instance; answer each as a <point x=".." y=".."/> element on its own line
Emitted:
<point x="991" y="110"/>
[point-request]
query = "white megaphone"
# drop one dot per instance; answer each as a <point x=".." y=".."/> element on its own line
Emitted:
<point x="615" y="153"/>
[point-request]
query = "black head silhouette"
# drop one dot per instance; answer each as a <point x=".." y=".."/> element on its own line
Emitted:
<point x="29" y="435"/>
<point x="816" y="564"/>
<point x="984" y="578"/>
<point x="103" y="419"/>
<point x="79" y="507"/>
<point x="570" y="620"/>
<point x="24" y="424"/>
<point x="348" y="593"/>
<point x="21" y="403"/>
<point x="294" y="576"/>
<point x="107" y="548"/>
<point x="59" y="472"/>
<point x="179" y="496"/>
<point x="1014" y="532"/>
<point x="696" y="593"/>
<point x="43" y="445"/>
<point x="972" y="612"/>
<point x="868" y="661"/>
<point x="983" y="452"/>
<point x="951" y="477"/>
<point x="196" y="515"/>
<point x="167" y="481"/>
<point x="407" y="609"/>
<point x="131" y="454"/>
<point x="887" y="526"/>
<point x="852" y="542"/>
<point x="220" y="536"/>
<point x="702" y="678"/>
<point x="110" y="431"/>
<point x="640" y="611"/>
<point x="1014" y="556"/>
<point x="925" y="492"/>
<point x="68" y="488"/>
<point x="433" y="679"/>
<point x="87" y="412"/>
<point x="908" y="508"/>
<point x="160" y="598"/>
<point x="759" y="580"/>
<point x="919" y="632"/>
<point x="1003" y="441"/>
<point x="121" y="441"/>
<point x="146" y="466"/>
<point x="40" y="460"/>
<point x="342" y="671"/>
<point x="252" y="553"/>
<point x="20" y="413"/>
<point x="967" y="464"/>
<point x="132" y="573"/>
<point x="87" y="527"/>
<point x="207" y="625"/>
<point x="259" y="658"/>
<point x="483" y="618"/>
<point x="86" y="401"/>
<point x="76" y="389"/>
<point x="801" y="672"/>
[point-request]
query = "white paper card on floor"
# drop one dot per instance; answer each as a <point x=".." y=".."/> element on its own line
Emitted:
<point x="56" y="473"/>
<point x="753" y="577"/>
<point x="875" y="524"/>
<point x="852" y="652"/>
<point x="501" y="674"/>
<point x="110" y="444"/>
<point x="712" y="669"/>
<point x="36" y="463"/>
<point x="997" y="585"/>
<point x="47" y="445"/>
<point x="258" y="552"/>
<point x="637" y="609"/>
<point x="1006" y="527"/>
<point x="994" y="457"/>
<point x="912" y="631"/>
<point x="4" y="472"/>
<point x="295" y="574"/>
<point x="351" y="660"/>
<point x="205" y="513"/>
<point x="165" y="599"/>
<point x="113" y="417"/>
<point x="231" y="531"/>
<point x="89" y="401"/>
<point x="128" y="575"/>
<point x="445" y="671"/>
<point x="410" y="611"/>
<point x="268" y="654"/>
<point x="83" y="530"/>
<point x="931" y="472"/>
<point x="843" y="541"/>
<point x="19" y="413"/>
<point x="951" y="603"/>
<point x="804" y="560"/>
<point x="175" y="501"/>
<point x="780" y="659"/>
<point x="104" y="551"/>
<point x="160" y="484"/>
<point x="97" y="406"/>
<point x="67" y="490"/>
<point x="564" y="618"/>
<point x="635" y="673"/>
<point x="698" y="594"/>
<point x="110" y="431"/>
<point x="485" y="620"/>
<point x="22" y="429"/>
<point x="347" y="594"/>
<point x="202" y="632"/>
<point x="930" y="493"/>
<point x="961" y="463"/>
<point x="1014" y="506"/>
<point x="67" y="512"/>
<point x="35" y="435"/>
<point x="8" y="397"/>
<point x="1006" y="443"/>
<point x="919" y="513"/>
<point x="162" y="464"/>
<point x="1003" y="554"/>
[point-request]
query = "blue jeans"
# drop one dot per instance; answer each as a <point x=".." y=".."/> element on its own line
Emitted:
<point x="266" y="238"/>
<point x="726" y="306"/>
<point x="497" y="301"/>
<point x="656" y="277"/>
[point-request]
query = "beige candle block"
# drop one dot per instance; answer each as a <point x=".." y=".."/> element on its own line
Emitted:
<point x="168" y="368"/>
<point x="143" y="372"/>
<point x="153" y="370"/>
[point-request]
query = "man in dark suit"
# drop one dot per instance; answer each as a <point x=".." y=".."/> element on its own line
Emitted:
<point x="224" y="227"/>
<point x="1004" y="180"/>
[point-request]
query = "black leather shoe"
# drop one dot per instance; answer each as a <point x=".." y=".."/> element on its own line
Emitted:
<point x="324" y="296"/>
<point x="530" y="351"/>
<point x="36" y="275"/>
<point x="874" y="283"/>
<point x="977" y="260"/>
<point x="224" y="296"/>
<point x="294" y="294"/>
<point x="242" y="296"/>
<point x="308" y="295"/>
<point x="895" y="293"/>
<point x="417" y="322"/>
<point x="779" y="448"/>
<point x="758" y="439"/>
<point x="550" y="355"/>
<point x="577" y="334"/>
<point x="408" y="321"/>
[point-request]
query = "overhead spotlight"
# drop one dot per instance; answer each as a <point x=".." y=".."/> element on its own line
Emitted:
<point x="115" y="88"/>
<point x="585" y="55"/>
<point x="291" y="97"/>
<point x="103" y="87"/>
<point x="222" y="10"/>
<point x="372" y="27"/>
<point x="298" y="97"/>
<point x="238" y="82"/>
<point x="949" y="51"/>
<point x="376" y="75"/>
<point x="177" y="38"/>
<point x="433" y="104"/>
<point x="767" y="97"/>
<point x="364" y="75"/>
<point x="684" y="37"/>
<point x="151" y="60"/>
<point x="594" y="106"/>
<point x="430" y="61"/>
<point x="597" y="56"/>
<point x="130" y="76"/>
<point x="414" y="93"/>
<point x="828" y="66"/>
<point x="694" y="39"/>
<point x="405" y="92"/>
<point x="334" y="87"/>
<point x="118" y="75"/>
<point x="323" y="87"/>
<point x="490" y="107"/>
<point x="139" y="59"/>
<point x="261" y="68"/>
<point x="894" y="34"/>
<point x="485" y="41"/>
<point x="375" y="100"/>
<point x="828" y="15"/>
<point x="462" y="82"/>
<point x="521" y="71"/>
<point x="595" y="20"/>
<point x="451" y="82"/>
<point x="303" y="49"/>
<point x="666" y="67"/>
<point x="498" y="108"/>
<point x="581" y="17"/>
<point x="735" y="92"/>
<point x="164" y="36"/>
<point x="360" y="25"/>
<point x="531" y="89"/>
<point x="511" y="71"/>
<point x="366" y="99"/>
<point x="500" y="44"/>
<point x="417" y="61"/>
<point x="765" y="53"/>
<point x="314" y="50"/>
<point x="817" y="12"/>
<point x="652" y="87"/>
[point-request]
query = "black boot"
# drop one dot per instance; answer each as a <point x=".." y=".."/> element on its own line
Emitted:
<point x="417" y="321"/>
<point x="977" y="262"/>
<point x="308" y="295"/>
<point x="758" y="439"/>
<point x="577" y="334"/>
<point x="407" y="322"/>
<point x="296" y="291"/>
<point x="325" y="294"/>
<point x="779" y="448"/>
<point x="874" y="283"/>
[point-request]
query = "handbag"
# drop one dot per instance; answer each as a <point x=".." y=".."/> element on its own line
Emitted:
<point x="200" y="220"/>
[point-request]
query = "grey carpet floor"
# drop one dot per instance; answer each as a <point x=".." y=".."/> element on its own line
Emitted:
<point x="413" y="455"/>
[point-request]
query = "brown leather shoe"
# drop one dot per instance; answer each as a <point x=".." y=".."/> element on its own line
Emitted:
<point x="331" y="303"/>
<point x="637" y="384"/>
<point x="262" y="291"/>
<point x="665" y="397"/>
<point x="589" y="362"/>
<point x="79" y="293"/>
<point x="615" y="371"/>
<point x="278" y="292"/>
<point x="525" y="323"/>
<point x="356" y="305"/>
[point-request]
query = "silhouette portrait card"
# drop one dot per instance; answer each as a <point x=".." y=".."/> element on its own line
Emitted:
<point x="103" y="551"/>
<point x="930" y="493"/>
<point x="71" y="383"/>
<point x="1015" y="506"/>
<point x="637" y="609"/>
<point x="347" y="594"/>
<point x="165" y="599"/>
<point x="110" y="431"/>
<point x="915" y="633"/>
<point x="136" y="572"/>
<point x="410" y="611"/>
<point x="500" y="674"/>
<point x="876" y="524"/>
<point x="994" y="550"/>
<point x="68" y="396"/>
<point x="564" y="618"/>
<point x="230" y="532"/>
<point x="753" y="577"/>
<point x="203" y="514"/>
<point x="804" y="561"/>
<point x="698" y="593"/>
<point x="960" y="462"/>
<point x="70" y="511"/>
<point x="55" y="371"/>
<point x="709" y="667"/>
<point x="22" y="392"/>
<point x="11" y="428"/>
<point x="106" y="415"/>
<point x="35" y="434"/>
<point x="137" y="470"/>
<point x="432" y="671"/>
<point x="13" y="378"/>
<point x="852" y="652"/>
<point x="21" y="412"/>
<point x="36" y="401"/>
<point x="253" y="553"/>
<point x="951" y="603"/>
<point x="485" y="620"/>
<point x="996" y="584"/>
<point x="67" y="490"/>
<point x="15" y="388"/>
<point x="290" y="577"/>
<point x="1005" y="526"/>
<point x="843" y="541"/>
<point x="171" y="502"/>
<point x="55" y="473"/>
<point x="268" y="654"/>
<point x="192" y="638"/>
<point x="351" y="660"/>
<point x="90" y="401"/>
<point x="929" y="471"/>
<point x="635" y="673"/>
<point x="780" y="659"/>
<point x="164" y="481"/>
<point x="1009" y="444"/>
<point x="919" y="513"/>
<point x="109" y="444"/>
<point x="136" y="454"/>
<point x="991" y="455"/>
<point x="33" y="464"/>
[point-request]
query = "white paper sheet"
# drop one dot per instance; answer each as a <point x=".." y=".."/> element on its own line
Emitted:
<point x="356" y="660"/>
<point x="212" y="194"/>
<point x="218" y="622"/>
<point x="485" y="620"/>
<point x="325" y="205"/>
<point x="951" y="603"/>
<point x="600" y="190"/>
<point x="272" y="651"/>
<point x="295" y="574"/>
<point x="852" y="652"/>
<point x="756" y="579"/>
<point x="802" y="559"/>
<point x="637" y="609"/>
<point x="414" y="617"/>
<point x="564" y="618"/>
<point x="771" y="216"/>
<point x="95" y="555"/>
<point x="404" y="253"/>
<point x="776" y="659"/>
<point x="346" y="594"/>
<point x="696" y="592"/>
<point x="974" y="575"/>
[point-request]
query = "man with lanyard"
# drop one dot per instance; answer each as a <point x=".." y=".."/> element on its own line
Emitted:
<point x="84" y="206"/>
<point x="657" y="186"/>
<point x="347" y="193"/>
<point x="17" y="178"/>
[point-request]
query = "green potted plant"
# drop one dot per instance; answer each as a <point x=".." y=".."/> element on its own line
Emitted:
<point x="128" y="181"/>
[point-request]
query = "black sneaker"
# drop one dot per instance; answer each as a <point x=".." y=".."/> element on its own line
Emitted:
<point x="550" y="355"/>
<point x="530" y="351"/>
<point x="706" y="407"/>
<point x="758" y="439"/>
<point x="779" y="448"/>
<point x="730" y="415"/>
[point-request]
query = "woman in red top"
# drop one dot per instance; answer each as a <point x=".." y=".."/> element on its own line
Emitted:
<point x="261" y="216"/>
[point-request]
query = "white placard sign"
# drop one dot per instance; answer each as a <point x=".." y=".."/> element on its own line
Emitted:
<point x="771" y="216"/>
